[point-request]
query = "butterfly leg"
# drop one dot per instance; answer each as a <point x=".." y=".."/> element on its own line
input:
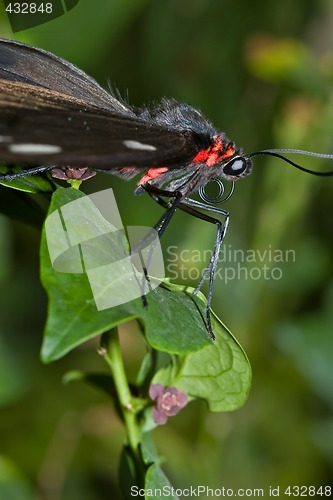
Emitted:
<point x="191" y="207"/>
<point x="23" y="173"/>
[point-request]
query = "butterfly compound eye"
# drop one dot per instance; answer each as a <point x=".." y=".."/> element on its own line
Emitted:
<point x="237" y="167"/>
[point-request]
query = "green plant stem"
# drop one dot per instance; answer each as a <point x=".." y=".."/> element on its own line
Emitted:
<point x="113" y="356"/>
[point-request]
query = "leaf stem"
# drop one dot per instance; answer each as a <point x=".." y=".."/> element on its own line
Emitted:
<point x="113" y="356"/>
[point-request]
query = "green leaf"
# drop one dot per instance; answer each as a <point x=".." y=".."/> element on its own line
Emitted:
<point x="173" y="320"/>
<point x="146" y="368"/>
<point x="148" y="450"/>
<point x="220" y="373"/>
<point x="156" y="481"/>
<point x="127" y="473"/>
<point x="24" y="207"/>
<point x="13" y="485"/>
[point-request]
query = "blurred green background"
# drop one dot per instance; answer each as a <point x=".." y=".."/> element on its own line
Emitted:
<point x="262" y="71"/>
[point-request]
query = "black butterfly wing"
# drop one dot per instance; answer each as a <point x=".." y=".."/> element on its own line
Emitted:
<point x="33" y="66"/>
<point x="52" y="113"/>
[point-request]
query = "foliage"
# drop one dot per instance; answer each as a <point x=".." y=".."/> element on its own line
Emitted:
<point x="265" y="78"/>
<point x="172" y="322"/>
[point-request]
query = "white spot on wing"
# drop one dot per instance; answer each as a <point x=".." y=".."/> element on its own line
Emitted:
<point x="5" y="138"/>
<point x="138" y="145"/>
<point x="38" y="149"/>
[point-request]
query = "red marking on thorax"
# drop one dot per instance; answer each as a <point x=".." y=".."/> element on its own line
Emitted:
<point x="214" y="154"/>
<point x="152" y="173"/>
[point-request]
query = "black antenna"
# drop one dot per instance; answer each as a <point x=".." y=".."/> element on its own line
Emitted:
<point x="276" y="153"/>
